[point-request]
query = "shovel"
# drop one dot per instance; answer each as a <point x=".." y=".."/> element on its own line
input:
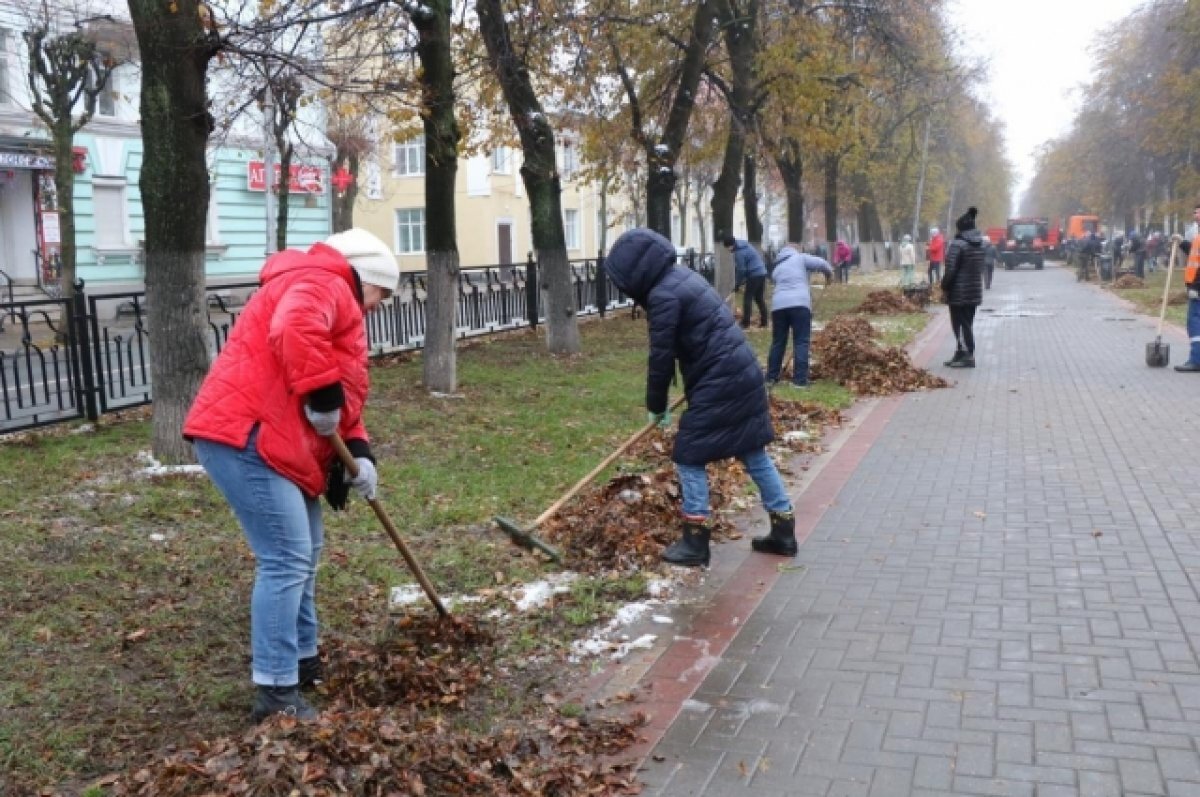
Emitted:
<point x="1158" y="354"/>
<point x="352" y="468"/>
<point x="525" y="536"/>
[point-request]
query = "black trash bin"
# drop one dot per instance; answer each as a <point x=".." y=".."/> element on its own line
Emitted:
<point x="1106" y="268"/>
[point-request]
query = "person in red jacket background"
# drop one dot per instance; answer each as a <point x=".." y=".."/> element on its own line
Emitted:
<point x="293" y="372"/>
<point x="937" y="253"/>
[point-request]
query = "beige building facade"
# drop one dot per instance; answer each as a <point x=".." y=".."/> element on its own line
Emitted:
<point x="491" y="204"/>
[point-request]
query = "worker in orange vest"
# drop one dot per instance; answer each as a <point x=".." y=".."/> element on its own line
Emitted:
<point x="1191" y="278"/>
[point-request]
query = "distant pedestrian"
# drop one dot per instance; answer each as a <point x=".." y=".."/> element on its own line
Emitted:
<point x="1137" y="248"/>
<point x="989" y="262"/>
<point x="791" y="311"/>
<point x="962" y="287"/>
<point x="749" y="271"/>
<point x="936" y="253"/>
<point x="728" y="412"/>
<point x="908" y="262"/>
<point x="842" y="256"/>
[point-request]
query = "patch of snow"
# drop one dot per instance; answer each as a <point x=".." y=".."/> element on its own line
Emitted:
<point x="796" y="435"/>
<point x="155" y="468"/>
<point x="644" y="642"/>
<point x="536" y="593"/>
<point x="437" y="395"/>
<point x="662" y="619"/>
<point x="156" y="537"/>
<point x="695" y="705"/>
<point x="660" y="587"/>
<point x="83" y="429"/>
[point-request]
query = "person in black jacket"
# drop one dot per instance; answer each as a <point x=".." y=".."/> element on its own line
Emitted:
<point x="728" y="413"/>
<point x="962" y="287"/>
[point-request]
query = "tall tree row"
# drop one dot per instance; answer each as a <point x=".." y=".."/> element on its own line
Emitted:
<point x="1130" y="154"/>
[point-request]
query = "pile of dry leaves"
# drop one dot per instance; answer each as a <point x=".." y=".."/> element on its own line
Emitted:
<point x="846" y="352"/>
<point x="1127" y="281"/>
<point x="887" y="303"/>
<point x="628" y="521"/>
<point x="384" y="730"/>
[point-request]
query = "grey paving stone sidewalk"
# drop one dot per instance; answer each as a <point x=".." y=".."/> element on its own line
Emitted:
<point x="1003" y="599"/>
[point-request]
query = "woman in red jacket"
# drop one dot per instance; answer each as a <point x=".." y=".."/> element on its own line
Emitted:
<point x="293" y="372"/>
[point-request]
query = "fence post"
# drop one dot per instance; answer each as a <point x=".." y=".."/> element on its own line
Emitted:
<point x="83" y="352"/>
<point x="531" y="291"/>
<point x="601" y="285"/>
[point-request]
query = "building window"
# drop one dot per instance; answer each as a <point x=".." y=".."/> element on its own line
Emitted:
<point x="6" y="42"/>
<point x="410" y="231"/>
<point x="502" y="160"/>
<point x="108" y="201"/>
<point x="570" y="161"/>
<point x="571" y="228"/>
<point x="106" y="101"/>
<point x="408" y="158"/>
<point x="212" y="227"/>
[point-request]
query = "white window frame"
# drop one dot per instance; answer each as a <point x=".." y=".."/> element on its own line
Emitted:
<point x="121" y="187"/>
<point x="212" y="226"/>
<point x="403" y="248"/>
<point x="501" y="160"/>
<point x="6" y="71"/>
<point x="569" y="156"/>
<point x="108" y="94"/>
<point x="408" y="157"/>
<point x="571" y="229"/>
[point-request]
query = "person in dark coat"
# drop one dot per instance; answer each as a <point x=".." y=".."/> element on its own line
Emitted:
<point x="962" y="287"/>
<point x="728" y="413"/>
<point x="989" y="262"/>
<point x="749" y="270"/>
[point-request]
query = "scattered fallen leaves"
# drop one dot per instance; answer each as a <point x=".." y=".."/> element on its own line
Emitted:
<point x="1128" y="281"/>
<point x="889" y="303"/>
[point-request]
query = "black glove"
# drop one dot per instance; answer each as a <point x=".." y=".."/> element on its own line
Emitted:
<point x="337" y="489"/>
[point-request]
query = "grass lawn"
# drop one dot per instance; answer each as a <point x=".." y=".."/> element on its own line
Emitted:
<point x="1148" y="300"/>
<point x="124" y="597"/>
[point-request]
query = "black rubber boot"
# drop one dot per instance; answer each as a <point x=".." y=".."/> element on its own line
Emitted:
<point x="311" y="672"/>
<point x="1188" y="367"/>
<point x="782" y="539"/>
<point x="281" y="700"/>
<point x="966" y="361"/>
<point x="953" y="362"/>
<point x="691" y="550"/>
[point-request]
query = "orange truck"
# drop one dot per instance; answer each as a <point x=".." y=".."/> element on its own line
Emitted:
<point x="1079" y="226"/>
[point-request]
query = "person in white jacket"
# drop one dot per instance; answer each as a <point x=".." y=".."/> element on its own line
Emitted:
<point x="908" y="262"/>
<point x="791" y="311"/>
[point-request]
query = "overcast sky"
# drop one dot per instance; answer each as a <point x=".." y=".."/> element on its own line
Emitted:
<point x="1039" y="53"/>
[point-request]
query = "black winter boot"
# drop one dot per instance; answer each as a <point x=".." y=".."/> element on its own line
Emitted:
<point x="782" y="539"/>
<point x="281" y="700"/>
<point x="953" y="362"/>
<point x="311" y="672"/>
<point x="966" y="361"/>
<point x="691" y="550"/>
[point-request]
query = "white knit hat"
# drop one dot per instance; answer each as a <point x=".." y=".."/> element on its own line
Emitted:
<point x="369" y="256"/>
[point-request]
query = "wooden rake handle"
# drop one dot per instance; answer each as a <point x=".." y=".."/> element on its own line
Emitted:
<point x="594" y="472"/>
<point x="352" y="468"/>
<point x="1162" y="313"/>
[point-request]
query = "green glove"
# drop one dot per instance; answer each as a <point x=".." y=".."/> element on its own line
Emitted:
<point x="663" y="419"/>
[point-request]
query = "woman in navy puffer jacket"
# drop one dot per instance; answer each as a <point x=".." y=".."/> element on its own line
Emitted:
<point x="728" y="414"/>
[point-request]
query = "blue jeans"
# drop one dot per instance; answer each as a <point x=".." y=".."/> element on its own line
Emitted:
<point x="284" y="529"/>
<point x="693" y="480"/>
<point x="1193" y="330"/>
<point x="799" y="321"/>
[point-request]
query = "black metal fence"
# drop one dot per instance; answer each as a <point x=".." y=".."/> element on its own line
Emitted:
<point x="63" y="360"/>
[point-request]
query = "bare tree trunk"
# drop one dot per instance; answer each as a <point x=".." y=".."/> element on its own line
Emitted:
<point x="175" y="52"/>
<point x="286" y="152"/>
<point x="540" y="174"/>
<point x="754" y="225"/>
<point x="64" y="186"/>
<point x="832" y="170"/>
<point x="791" y="171"/>
<point x="440" y="365"/>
